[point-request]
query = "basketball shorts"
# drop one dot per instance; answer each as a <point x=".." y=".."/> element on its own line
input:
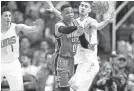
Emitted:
<point x="64" y="70"/>
<point x="13" y="73"/>
<point x="85" y="73"/>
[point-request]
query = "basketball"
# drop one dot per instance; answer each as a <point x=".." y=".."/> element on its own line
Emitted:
<point x="100" y="7"/>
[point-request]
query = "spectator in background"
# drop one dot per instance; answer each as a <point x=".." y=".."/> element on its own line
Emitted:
<point x="45" y="76"/>
<point x="131" y="42"/>
<point x="12" y="5"/>
<point x="122" y="63"/>
<point x="33" y="14"/>
<point x="42" y="60"/>
<point x="122" y="47"/>
<point x="17" y="17"/>
<point x="39" y="56"/>
<point x="104" y="80"/>
<point x="131" y="75"/>
<point x="27" y="67"/>
<point x="29" y="73"/>
<point x="49" y="36"/>
<point x="25" y="43"/>
<point x="76" y="12"/>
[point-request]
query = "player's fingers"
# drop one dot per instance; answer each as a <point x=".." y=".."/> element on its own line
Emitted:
<point x="49" y="2"/>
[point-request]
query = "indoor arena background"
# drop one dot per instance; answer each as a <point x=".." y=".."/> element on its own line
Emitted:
<point x="31" y="45"/>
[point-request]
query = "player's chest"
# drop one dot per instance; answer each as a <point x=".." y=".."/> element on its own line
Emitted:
<point x="8" y="38"/>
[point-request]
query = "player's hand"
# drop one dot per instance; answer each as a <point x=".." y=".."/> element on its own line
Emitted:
<point x="38" y="24"/>
<point x="50" y="3"/>
<point x="50" y="6"/>
<point x="49" y="9"/>
<point x="80" y="30"/>
<point x="72" y="83"/>
<point x="111" y="16"/>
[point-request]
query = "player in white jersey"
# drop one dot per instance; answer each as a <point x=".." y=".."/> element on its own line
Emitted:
<point x="10" y="66"/>
<point x="86" y="55"/>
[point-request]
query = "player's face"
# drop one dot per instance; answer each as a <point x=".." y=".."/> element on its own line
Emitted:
<point x="84" y="8"/>
<point x="68" y="14"/>
<point x="6" y="18"/>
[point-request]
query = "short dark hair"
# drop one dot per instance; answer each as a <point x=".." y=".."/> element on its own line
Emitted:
<point x="65" y="6"/>
<point x="5" y="8"/>
<point x="90" y="2"/>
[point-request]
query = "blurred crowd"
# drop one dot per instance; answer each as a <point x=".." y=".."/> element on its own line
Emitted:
<point x="116" y="74"/>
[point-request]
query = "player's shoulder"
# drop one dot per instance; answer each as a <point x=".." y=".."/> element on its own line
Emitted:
<point x="13" y="24"/>
<point x="91" y="19"/>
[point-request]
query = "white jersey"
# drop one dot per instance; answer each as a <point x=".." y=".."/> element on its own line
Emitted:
<point x="9" y="45"/>
<point x="87" y="55"/>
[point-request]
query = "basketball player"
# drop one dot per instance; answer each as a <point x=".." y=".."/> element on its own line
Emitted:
<point x="10" y="66"/>
<point x="86" y="55"/>
<point x="67" y="31"/>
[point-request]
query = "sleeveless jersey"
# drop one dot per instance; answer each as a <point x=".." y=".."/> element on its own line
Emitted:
<point x="66" y="43"/>
<point x="89" y="54"/>
<point x="9" y="45"/>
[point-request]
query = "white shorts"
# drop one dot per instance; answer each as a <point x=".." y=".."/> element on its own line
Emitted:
<point x="13" y="73"/>
<point x="84" y="76"/>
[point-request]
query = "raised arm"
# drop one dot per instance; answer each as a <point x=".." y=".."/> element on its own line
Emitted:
<point x="98" y="26"/>
<point x="53" y="9"/>
<point x="102" y="24"/>
<point x="28" y="29"/>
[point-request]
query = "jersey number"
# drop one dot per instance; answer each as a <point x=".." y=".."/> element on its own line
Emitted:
<point x="74" y="47"/>
<point x="12" y="48"/>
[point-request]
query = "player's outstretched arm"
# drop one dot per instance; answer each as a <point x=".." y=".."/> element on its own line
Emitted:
<point x="53" y="9"/>
<point x="28" y="29"/>
<point x="102" y="24"/>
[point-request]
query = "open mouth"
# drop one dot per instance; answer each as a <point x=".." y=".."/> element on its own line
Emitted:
<point x="82" y="10"/>
<point x="8" y="21"/>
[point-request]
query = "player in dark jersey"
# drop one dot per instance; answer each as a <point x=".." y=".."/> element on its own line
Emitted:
<point x="67" y="32"/>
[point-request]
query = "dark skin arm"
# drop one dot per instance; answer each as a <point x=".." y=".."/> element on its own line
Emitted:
<point x="67" y="29"/>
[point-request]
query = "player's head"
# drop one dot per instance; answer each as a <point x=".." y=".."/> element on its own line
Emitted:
<point x="84" y="8"/>
<point x="67" y="12"/>
<point x="6" y="15"/>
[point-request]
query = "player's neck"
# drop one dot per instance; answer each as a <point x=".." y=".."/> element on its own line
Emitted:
<point x="4" y="28"/>
<point x="82" y="17"/>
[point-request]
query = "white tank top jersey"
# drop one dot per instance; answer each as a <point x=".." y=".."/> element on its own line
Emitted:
<point x="87" y="55"/>
<point x="9" y="45"/>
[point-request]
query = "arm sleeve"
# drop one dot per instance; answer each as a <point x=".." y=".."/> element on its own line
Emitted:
<point x="67" y="29"/>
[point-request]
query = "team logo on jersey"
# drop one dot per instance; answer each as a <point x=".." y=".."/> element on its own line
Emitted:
<point x="7" y="42"/>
